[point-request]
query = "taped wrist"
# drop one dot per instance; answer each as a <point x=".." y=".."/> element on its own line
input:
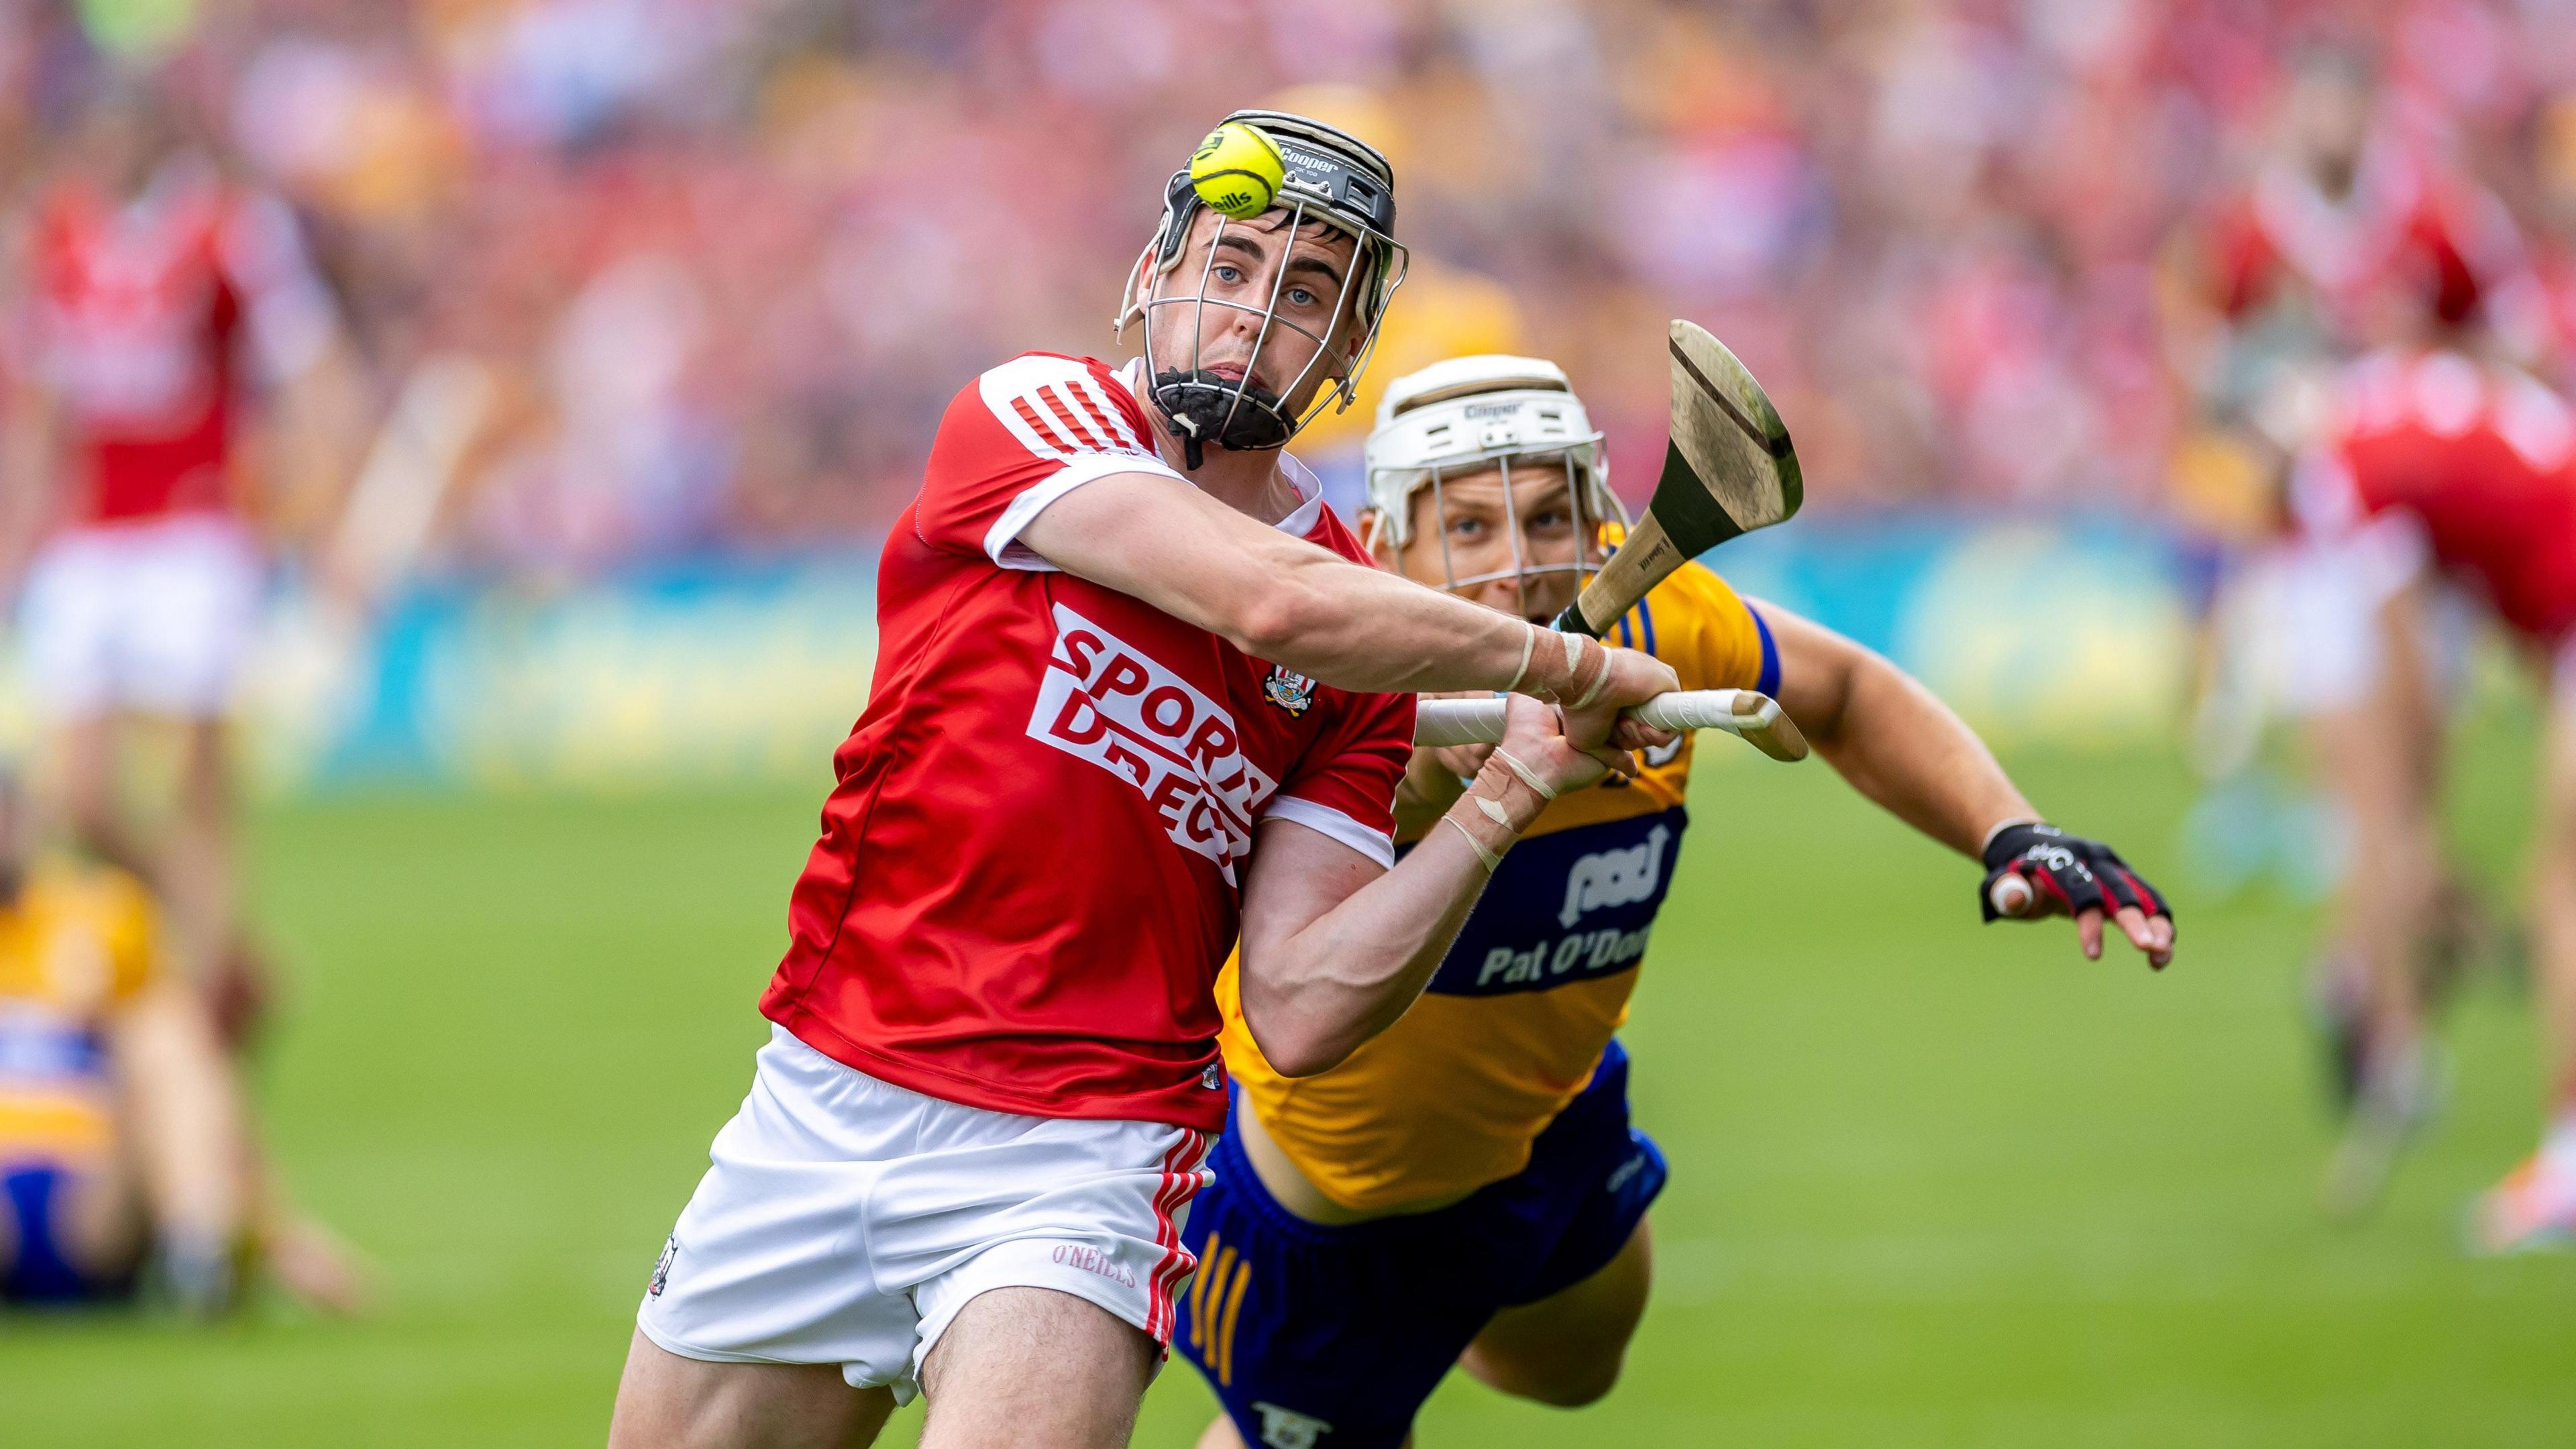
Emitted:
<point x="1498" y="806"/>
<point x="1484" y="853"/>
<point x="1527" y="775"/>
<point x="1529" y="646"/>
<point x="1566" y="669"/>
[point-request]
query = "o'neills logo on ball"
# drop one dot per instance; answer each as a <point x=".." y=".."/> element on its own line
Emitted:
<point x="1289" y="690"/>
<point x="1110" y="703"/>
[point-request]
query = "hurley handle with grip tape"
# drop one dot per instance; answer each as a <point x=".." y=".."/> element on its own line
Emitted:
<point x="1755" y="718"/>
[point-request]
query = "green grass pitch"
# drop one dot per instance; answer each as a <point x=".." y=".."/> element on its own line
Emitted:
<point x="1933" y="1184"/>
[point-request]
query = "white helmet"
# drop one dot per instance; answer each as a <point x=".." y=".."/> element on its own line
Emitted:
<point x="1468" y="414"/>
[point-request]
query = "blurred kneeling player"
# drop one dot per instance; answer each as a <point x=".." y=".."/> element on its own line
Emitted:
<point x="123" y="1141"/>
<point x="1467" y="1187"/>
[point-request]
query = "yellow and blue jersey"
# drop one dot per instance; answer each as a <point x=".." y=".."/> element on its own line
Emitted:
<point x="77" y="943"/>
<point x="1514" y="1023"/>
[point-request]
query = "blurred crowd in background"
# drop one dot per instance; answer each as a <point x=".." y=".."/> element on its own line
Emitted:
<point x="727" y="260"/>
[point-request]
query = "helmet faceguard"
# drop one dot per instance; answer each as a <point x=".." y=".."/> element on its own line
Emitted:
<point x="1476" y="414"/>
<point x="1333" y="179"/>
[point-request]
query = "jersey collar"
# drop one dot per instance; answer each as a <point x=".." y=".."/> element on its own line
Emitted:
<point x="1308" y="513"/>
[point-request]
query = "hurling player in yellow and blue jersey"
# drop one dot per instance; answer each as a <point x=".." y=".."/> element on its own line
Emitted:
<point x="1466" y="1188"/>
<point x="126" y="1149"/>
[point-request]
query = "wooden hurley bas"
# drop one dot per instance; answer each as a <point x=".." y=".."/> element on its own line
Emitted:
<point x="1729" y="469"/>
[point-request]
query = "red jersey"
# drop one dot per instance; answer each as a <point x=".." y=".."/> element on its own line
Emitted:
<point x="2481" y="461"/>
<point x="2405" y="229"/>
<point x="140" y="312"/>
<point x="1030" y="870"/>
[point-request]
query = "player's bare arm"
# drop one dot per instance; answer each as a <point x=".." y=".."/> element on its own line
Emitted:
<point x="1903" y="748"/>
<point x="1335" y="946"/>
<point x="1288" y="601"/>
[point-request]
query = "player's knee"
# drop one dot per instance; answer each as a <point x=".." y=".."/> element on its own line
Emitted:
<point x="1578" y="1387"/>
<point x="1560" y="1383"/>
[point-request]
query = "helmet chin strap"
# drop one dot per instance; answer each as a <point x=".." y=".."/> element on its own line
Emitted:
<point x="1207" y="408"/>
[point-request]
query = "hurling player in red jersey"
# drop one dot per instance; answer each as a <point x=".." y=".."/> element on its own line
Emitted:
<point x="2345" y="223"/>
<point x="2439" y="472"/>
<point x="1140" y="696"/>
<point x="156" y="297"/>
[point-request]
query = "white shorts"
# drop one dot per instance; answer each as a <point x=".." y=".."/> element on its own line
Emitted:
<point x="2306" y="618"/>
<point x="846" y="1220"/>
<point x="150" y="616"/>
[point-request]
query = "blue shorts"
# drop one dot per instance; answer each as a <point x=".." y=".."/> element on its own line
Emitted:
<point x="39" y="1271"/>
<point x="1303" y="1329"/>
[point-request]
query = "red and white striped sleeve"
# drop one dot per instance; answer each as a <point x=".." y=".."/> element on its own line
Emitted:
<point x="1022" y="436"/>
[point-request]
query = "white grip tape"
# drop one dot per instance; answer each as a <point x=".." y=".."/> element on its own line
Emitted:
<point x="1438" y="722"/>
<point x="2012" y="897"/>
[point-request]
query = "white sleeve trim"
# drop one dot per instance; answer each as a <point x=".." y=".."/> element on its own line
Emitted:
<point x="1002" y="541"/>
<point x="1324" y="820"/>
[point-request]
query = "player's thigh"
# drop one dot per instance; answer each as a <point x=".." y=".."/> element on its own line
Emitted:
<point x="1035" y="1368"/>
<point x="1566" y="1348"/>
<point x="2368" y="757"/>
<point x="80" y="760"/>
<point x="205" y="764"/>
<point x="665" y="1401"/>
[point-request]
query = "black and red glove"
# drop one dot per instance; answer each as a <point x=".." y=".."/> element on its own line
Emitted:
<point x="2072" y="876"/>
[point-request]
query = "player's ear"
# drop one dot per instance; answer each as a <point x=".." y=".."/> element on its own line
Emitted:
<point x="1372" y="531"/>
<point x="1131" y="301"/>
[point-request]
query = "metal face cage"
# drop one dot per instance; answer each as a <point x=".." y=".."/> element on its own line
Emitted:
<point x="1322" y="188"/>
<point x="1584" y="498"/>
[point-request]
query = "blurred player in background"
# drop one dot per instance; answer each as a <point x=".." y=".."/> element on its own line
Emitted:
<point x="2441" y="469"/>
<point x="2354" y="234"/>
<point x="1140" y="696"/>
<point x="1466" y="1188"/>
<point x="159" y="298"/>
<point x="123" y="1144"/>
<point x="2346" y="226"/>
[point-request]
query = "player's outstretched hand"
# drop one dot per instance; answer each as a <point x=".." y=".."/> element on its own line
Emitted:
<point x="1537" y="736"/>
<point x="2035" y="870"/>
